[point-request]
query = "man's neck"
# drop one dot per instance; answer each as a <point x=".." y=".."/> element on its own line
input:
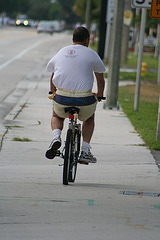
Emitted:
<point x="80" y="43"/>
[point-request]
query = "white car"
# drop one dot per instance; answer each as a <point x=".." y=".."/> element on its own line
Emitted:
<point x="45" y="26"/>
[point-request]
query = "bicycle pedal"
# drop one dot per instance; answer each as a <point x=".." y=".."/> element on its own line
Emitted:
<point x="84" y="163"/>
<point x="57" y="153"/>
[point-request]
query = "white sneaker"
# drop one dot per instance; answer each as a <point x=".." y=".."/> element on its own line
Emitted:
<point x="87" y="158"/>
<point x="55" y="144"/>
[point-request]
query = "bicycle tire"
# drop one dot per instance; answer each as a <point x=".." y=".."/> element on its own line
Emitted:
<point x="75" y="155"/>
<point x="67" y="157"/>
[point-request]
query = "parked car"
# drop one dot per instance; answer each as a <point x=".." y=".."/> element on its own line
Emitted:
<point x="11" y="22"/>
<point x="45" y="26"/>
<point x="58" y="25"/>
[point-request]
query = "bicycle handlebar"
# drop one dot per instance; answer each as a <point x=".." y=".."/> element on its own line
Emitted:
<point x="101" y="98"/>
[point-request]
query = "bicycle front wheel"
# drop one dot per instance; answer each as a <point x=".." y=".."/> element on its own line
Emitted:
<point x="76" y="150"/>
<point x="68" y="157"/>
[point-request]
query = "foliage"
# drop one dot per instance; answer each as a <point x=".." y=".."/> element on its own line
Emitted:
<point x="150" y="22"/>
<point x="80" y="9"/>
<point x="13" y="7"/>
<point x="41" y="9"/>
<point x="67" y="11"/>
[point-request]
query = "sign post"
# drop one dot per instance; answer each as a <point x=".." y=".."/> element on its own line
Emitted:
<point x="144" y="4"/>
<point x="109" y="19"/>
<point x="155" y="13"/>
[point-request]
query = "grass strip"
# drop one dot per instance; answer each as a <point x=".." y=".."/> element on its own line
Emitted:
<point x="145" y="120"/>
<point x="17" y="139"/>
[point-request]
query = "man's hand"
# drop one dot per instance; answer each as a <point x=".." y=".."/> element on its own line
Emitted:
<point x="51" y="95"/>
<point x="100" y="84"/>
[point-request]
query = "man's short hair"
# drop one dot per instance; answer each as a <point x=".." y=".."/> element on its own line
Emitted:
<point x="80" y="34"/>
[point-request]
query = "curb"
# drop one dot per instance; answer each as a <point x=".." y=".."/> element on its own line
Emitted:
<point x="13" y="114"/>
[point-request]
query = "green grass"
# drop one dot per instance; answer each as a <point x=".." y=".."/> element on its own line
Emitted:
<point x="131" y="76"/>
<point x="17" y="139"/>
<point x="145" y="120"/>
<point x="94" y="47"/>
<point x="147" y="57"/>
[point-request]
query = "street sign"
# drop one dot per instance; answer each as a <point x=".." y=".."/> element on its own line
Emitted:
<point x="141" y="3"/>
<point x="155" y="9"/>
<point x="110" y="11"/>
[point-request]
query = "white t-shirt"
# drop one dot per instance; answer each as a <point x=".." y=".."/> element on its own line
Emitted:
<point x="73" y="68"/>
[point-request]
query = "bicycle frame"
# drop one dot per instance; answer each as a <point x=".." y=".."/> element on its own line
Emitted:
<point x="73" y="121"/>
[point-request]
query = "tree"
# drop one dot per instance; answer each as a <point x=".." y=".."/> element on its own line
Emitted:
<point x="68" y="13"/>
<point x="150" y="22"/>
<point x="80" y="9"/>
<point x="54" y="11"/>
<point x="39" y="9"/>
<point x="13" y="7"/>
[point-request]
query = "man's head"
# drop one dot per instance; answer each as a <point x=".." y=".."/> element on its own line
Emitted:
<point x="81" y="36"/>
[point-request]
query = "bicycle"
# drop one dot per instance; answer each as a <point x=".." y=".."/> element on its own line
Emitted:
<point x="71" y="150"/>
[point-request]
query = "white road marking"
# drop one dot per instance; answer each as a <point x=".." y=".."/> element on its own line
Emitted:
<point x="19" y="55"/>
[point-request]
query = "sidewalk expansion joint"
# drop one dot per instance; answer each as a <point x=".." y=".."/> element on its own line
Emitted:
<point x="141" y="194"/>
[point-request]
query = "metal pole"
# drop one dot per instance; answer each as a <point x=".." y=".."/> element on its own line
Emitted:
<point x="107" y="44"/>
<point x="115" y="54"/>
<point x="140" y="56"/>
<point x="102" y="28"/>
<point x="88" y="9"/>
<point x="125" y="34"/>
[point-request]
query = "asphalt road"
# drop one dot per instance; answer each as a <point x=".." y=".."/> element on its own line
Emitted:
<point x="23" y="53"/>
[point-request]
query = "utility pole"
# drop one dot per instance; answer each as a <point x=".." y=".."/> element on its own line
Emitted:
<point x="102" y="29"/>
<point x="87" y="17"/>
<point x="109" y="19"/>
<point x="115" y="54"/>
<point x="125" y="33"/>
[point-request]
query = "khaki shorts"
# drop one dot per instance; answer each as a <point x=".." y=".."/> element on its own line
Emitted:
<point x="85" y="111"/>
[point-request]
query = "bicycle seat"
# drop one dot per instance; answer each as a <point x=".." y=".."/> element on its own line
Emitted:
<point x="71" y="110"/>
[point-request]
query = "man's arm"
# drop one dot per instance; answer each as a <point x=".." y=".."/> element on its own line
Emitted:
<point x="100" y="84"/>
<point x="52" y="87"/>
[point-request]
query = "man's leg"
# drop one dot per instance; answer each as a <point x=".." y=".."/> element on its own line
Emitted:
<point x="57" y="126"/>
<point x="87" y="129"/>
<point x="87" y="132"/>
<point x="56" y="122"/>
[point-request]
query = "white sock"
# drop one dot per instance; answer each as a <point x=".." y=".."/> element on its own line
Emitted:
<point x="85" y="147"/>
<point x="56" y="133"/>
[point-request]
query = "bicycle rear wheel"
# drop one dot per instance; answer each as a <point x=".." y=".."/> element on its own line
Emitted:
<point x="74" y="160"/>
<point x="68" y="157"/>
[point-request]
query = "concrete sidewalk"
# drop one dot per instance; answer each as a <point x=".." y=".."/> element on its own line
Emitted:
<point x="117" y="198"/>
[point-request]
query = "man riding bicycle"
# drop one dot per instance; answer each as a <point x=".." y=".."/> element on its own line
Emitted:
<point x="72" y="78"/>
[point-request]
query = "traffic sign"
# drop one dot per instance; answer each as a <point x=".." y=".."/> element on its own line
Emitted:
<point x="141" y="3"/>
<point x="155" y="9"/>
<point x="110" y="11"/>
